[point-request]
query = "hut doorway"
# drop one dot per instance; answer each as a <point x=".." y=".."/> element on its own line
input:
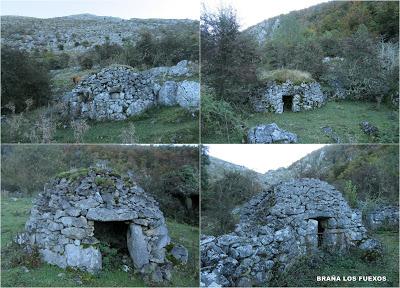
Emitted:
<point x="112" y="234"/>
<point x="322" y="225"/>
<point x="287" y="103"/>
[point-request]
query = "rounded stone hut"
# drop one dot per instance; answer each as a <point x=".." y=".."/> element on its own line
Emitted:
<point x="278" y="98"/>
<point x="80" y="209"/>
<point x="289" y="220"/>
<point x="119" y="91"/>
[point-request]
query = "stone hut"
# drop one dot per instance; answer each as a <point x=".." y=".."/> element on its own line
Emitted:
<point x="278" y="98"/>
<point x="119" y="91"/>
<point x="82" y="209"/>
<point x="278" y="226"/>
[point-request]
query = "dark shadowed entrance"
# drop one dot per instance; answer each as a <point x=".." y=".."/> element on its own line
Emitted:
<point x="113" y="234"/>
<point x="287" y="103"/>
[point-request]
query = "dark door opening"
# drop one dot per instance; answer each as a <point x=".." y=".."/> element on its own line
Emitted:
<point x="287" y="103"/>
<point x="322" y="225"/>
<point x="112" y="234"/>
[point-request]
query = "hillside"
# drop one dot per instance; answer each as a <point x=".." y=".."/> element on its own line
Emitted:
<point x="218" y="167"/>
<point x="341" y="17"/>
<point x="78" y="33"/>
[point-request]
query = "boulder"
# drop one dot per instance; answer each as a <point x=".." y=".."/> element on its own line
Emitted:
<point x="369" y="129"/>
<point x="137" y="246"/>
<point x="167" y="94"/>
<point x="188" y="95"/>
<point x="180" y="254"/>
<point x="270" y="133"/>
<point x="372" y="249"/>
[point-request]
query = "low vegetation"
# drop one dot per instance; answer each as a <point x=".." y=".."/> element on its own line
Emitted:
<point x="343" y="117"/>
<point x="21" y="271"/>
<point x="157" y="125"/>
<point x="304" y="273"/>
<point x="282" y="75"/>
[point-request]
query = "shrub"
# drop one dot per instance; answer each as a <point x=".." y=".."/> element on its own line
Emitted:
<point x="86" y="61"/>
<point x="282" y="75"/>
<point x="80" y="127"/>
<point x="350" y="193"/>
<point x="54" y="62"/>
<point x="129" y="135"/>
<point x="218" y="117"/>
<point x="22" y="77"/>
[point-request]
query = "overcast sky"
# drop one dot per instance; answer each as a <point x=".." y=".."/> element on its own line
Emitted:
<point x="168" y="9"/>
<point x="251" y="12"/>
<point x="262" y="158"/>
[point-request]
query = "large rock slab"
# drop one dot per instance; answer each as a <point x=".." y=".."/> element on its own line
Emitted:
<point x="188" y="95"/>
<point x="270" y="133"/>
<point x="137" y="246"/>
<point x="104" y="214"/>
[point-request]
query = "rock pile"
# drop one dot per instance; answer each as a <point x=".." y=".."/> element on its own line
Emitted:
<point x="77" y="208"/>
<point x="270" y="133"/>
<point x="383" y="216"/>
<point x="118" y="92"/>
<point x="276" y="227"/>
<point x="278" y="97"/>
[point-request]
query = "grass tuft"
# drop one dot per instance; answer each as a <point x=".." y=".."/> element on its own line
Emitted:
<point x="282" y="75"/>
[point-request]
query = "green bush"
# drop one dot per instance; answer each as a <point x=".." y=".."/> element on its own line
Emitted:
<point x="86" y="61"/>
<point x="350" y="193"/>
<point x="218" y="117"/>
<point x="110" y="258"/>
<point x="22" y="78"/>
<point x="56" y="61"/>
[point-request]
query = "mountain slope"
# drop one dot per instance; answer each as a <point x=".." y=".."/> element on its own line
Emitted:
<point x="80" y="32"/>
<point x="342" y="17"/>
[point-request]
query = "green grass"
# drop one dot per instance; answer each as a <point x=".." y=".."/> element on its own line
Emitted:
<point x="157" y="125"/>
<point x="344" y="117"/>
<point x="14" y="215"/>
<point x="282" y="75"/>
<point x="305" y="272"/>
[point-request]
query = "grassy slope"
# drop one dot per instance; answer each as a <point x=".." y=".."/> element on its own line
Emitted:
<point x="158" y="125"/>
<point x="305" y="274"/>
<point x="344" y="117"/>
<point x="14" y="215"/>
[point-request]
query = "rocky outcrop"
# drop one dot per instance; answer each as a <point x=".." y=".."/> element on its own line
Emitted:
<point x="78" y="33"/>
<point x="277" y="98"/>
<point x="270" y="133"/>
<point x="65" y="217"/>
<point x="118" y="92"/>
<point x="369" y="129"/>
<point x="277" y="227"/>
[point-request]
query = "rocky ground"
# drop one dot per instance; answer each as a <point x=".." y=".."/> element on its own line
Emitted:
<point x="78" y="33"/>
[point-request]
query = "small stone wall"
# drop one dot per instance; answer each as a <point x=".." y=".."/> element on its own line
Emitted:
<point x="61" y="224"/>
<point x="278" y="226"/>
<point x="118" y="92"/>
<point x="306" y="96"/>
<point x="383" y="217"/>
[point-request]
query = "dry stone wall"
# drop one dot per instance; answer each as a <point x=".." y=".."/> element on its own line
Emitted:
<point x="272" y="97"/>
<point x="118" y="92"/>
<point x="276" y="227"/>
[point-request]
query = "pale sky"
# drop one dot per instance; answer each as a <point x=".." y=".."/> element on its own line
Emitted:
<point x="126" y="9"/>
<point x="251" y="12"/>
<point x="262" y="158"/>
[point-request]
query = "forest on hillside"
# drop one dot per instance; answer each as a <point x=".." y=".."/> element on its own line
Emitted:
<point x="169" y="173"/>
<point x="349" y="47"/>
<point x="366" y="175"/>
